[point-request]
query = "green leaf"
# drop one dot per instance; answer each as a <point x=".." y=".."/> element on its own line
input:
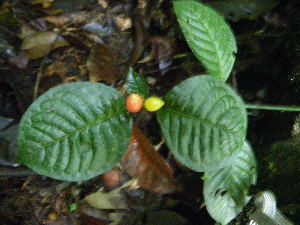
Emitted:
<point x="136" y="84"/>
<point x="74" y="131"/>
<point x="226" y="190"/>
<point x="208" y="35"/>
<point x="204" y="122"/>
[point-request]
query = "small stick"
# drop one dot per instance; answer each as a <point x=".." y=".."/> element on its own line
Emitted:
<point x="16" y="172"/>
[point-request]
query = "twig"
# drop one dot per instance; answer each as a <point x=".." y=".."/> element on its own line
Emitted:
<point x="16" y="172"/>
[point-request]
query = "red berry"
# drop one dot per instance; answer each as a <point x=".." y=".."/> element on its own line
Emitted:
<point x="134" y="103"/>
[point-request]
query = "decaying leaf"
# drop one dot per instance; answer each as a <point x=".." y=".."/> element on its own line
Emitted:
<point x="123" y="22"/>
<point x="92" y="216"/>
<point x="112" y="178"/>
<point x="108" y="200"/>
<point x="39" y="44"/>
<point x="71" y="17"/>
<point x="61" y="220"/>
<point x="57" y="67"/>
<point x="103" y="65"/>
<point x="142" y="162"/>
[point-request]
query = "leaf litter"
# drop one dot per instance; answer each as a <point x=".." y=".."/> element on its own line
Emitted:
<point x="46" y="43"/>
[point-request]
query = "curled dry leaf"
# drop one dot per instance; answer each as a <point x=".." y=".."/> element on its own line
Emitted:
<point x="39" y="44"/>
<point x="114" y="199"/>
<point x="142" y="162"/>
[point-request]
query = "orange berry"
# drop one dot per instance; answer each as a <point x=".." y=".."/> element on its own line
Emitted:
<point x="134" y="103"/>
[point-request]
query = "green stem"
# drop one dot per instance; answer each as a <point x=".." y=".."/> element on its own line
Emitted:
<point x="271" y="107"/>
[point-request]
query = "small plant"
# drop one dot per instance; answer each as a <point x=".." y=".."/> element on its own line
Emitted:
<point x="77" y="131"/>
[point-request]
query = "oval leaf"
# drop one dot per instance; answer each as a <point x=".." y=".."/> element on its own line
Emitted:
<point x="136" y="84"/>
<point x="204" y="122"/>
<point x="226" y="190"/>
<point x="208" y="35"/>
<point x="74" y="131"/>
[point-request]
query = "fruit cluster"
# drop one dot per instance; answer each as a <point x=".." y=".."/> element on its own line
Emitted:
<point x="134" y="103"/>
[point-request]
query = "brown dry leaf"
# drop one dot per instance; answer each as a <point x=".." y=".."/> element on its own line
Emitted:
<point x="72" y="18"/>
<point x="109" y="200"/>
<point x="92" y="216"/>
<point x="142" y="162"/>
<point x="112" y="178"/>
<point x="57" y="67"/>
<point x="103" y="65"/>
<point x="39" y="44"/>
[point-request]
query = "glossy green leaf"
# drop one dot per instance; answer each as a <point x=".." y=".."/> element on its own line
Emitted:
<point x="204" y="122"/>
<point x="136" y="84"/>
<point x="226" y="189"/>
<point x="74" y="131"/>
<point x="208" y="35"/>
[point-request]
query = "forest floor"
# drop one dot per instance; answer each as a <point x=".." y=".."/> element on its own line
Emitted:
<point x="45" y="43"/>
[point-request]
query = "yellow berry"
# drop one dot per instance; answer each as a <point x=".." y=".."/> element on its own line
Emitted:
<point x="153" y="104"/>
<point x="134" y="103"/>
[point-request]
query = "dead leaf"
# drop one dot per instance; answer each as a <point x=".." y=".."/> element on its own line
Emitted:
<point x="103" y="65"/>
<point x="57" y="67"/>
<point x="87" y="220"/>
<point x="39" y="44"/>
<point x="108" y="200"/>
<point x="92" y="216"/>
<point x="71" y="17"/>
<point x="61" y="220"/>
<point x="99" y="214"/>
<point x="123" y="22"/>
<point x="112" y="178"/>
<point x="142" y="162"/>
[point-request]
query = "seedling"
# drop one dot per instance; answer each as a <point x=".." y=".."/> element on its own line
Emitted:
<point x="77" y="131"/>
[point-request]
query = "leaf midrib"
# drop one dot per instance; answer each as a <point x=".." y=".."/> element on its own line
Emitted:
<point x="225" y="129"/>
<point x="88" y="125"/>
<point x="222" y="75"/>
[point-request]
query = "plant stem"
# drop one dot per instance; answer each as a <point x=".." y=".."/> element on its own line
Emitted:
<point x="275" y="108"/>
